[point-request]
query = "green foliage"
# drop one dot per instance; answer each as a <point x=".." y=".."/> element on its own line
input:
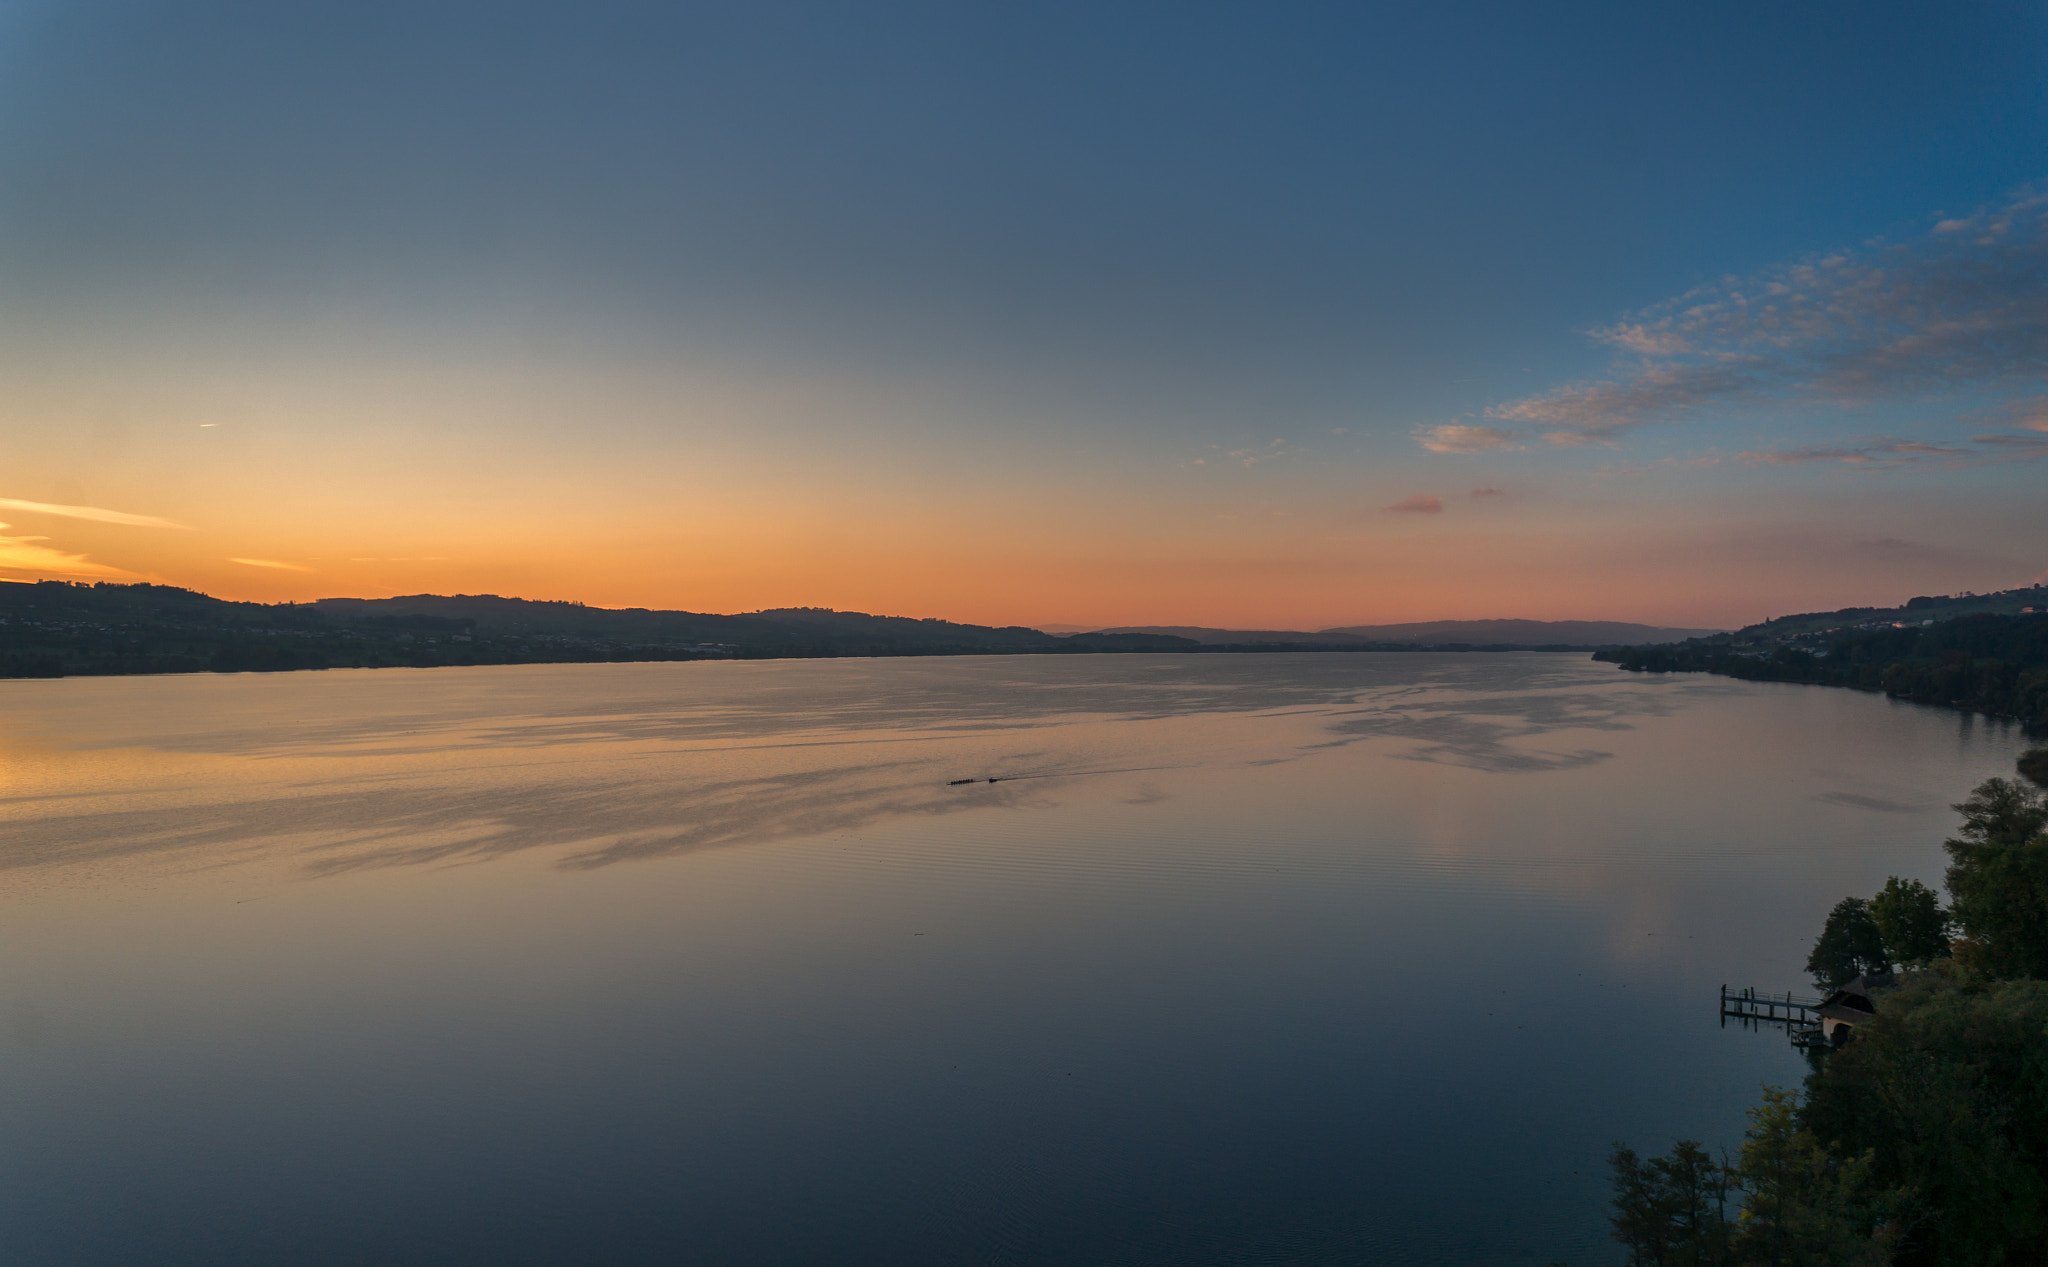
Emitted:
<point x="1671" y="1211"/>
<point x="1998" y="880"/>
<point x="1805" y="1205"/>
<point x="1849" y="945"/>
<point x="1909" y="918"/>
<point x="2033" y="765"/>
<point x="1924" y="1141"/>
<point x="2002" y="812"/>
<point x="1946" y="1091"/>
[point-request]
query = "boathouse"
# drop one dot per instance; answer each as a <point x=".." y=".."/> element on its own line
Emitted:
<point x="1852" y="1003"/>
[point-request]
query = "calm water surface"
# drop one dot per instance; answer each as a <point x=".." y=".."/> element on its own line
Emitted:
<point x="1246" y="959"/>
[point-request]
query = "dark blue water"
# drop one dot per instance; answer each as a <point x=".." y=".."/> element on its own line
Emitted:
<point x="1246" y="959"/>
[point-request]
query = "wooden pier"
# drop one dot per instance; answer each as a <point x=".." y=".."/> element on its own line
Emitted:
<point x="1799" y="1014"/>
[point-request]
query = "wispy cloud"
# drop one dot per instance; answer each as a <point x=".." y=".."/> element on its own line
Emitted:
<point x="2030" y="414"/>
<point x="271" y="563"/>
<point x="1963" y="307"/>
<point x="23" y="554"/>
<point x="94" y="513"/>
<point x="1884" y="453"/>
<point x="1877" y="453"/>
<point x="1455" y="437"/>
<point x="1252" y="457"/>
<point x="2007" y="448"/>
<point x="1661" y="465"/>
<point x="1489" y="492"/>
<point x="1420" y="504"/>
<point x="1599" y="413"/>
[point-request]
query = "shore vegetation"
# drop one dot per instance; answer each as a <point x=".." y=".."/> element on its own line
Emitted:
<point x="1922" y="1141"/>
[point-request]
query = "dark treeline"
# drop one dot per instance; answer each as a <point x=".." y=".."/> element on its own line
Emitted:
<point x="58" y="629"/>
<point x="1995" y="664"/>
<point x="54" y="629"/>
<point x="1922" y="1141"/>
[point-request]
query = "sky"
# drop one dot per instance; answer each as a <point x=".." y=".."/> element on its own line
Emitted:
<point x="1265" y="316"/>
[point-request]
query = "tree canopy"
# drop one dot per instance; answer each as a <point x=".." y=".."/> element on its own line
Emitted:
<point x="1998" y="880"/>
<point x="1946" y="1090"/>
<point x="1924" y="1141"/>
<point x="1801" y="1205"/>
<point x="1911" y="922"/>
<point x="1850" y="945"/>
<point x="2034" y="766"/>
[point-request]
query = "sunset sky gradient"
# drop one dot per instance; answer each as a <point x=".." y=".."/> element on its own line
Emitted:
<point x="1273" y="316"/>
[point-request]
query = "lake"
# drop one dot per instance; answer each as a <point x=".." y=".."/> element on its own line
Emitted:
<point x="1312" y="958"/>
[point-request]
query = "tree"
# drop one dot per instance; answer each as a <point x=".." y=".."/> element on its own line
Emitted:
<point x="2033" y="766"/>
<point x="1671" y="1211"/>
<point x="2002" y="812"/>
<point x="1639" y="1220"/>
<point x="1946" y="1090"/>
<point x="1804" y="1205"/>
<point x="1849" y="945"/>
<point x="1909" y="918"/>
<point x="1998" y="879"/>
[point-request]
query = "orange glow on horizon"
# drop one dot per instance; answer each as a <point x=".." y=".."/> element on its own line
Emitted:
<point x="986" y="577"/>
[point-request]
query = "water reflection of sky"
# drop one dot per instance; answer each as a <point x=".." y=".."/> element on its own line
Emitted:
<point x="621" y="761"/>
<point x="1303" y="958"/>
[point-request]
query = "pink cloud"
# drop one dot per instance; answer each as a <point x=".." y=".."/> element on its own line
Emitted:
<point x="1420" y="504"/>
<point x="2031" y="413"/>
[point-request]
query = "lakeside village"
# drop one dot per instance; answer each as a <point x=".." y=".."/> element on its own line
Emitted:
<point x="1818" y="639"/>
<point x="1920" y="1136"/>
<point x="1982" y="653"/>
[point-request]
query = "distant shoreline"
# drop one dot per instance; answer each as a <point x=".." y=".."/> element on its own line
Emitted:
<point x="15" y="673"/>
<point x="1989" y="663"/>
<point x="53" y="629"/>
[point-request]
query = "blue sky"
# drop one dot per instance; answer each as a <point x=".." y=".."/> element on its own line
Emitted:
<point x="1738" y="308"/>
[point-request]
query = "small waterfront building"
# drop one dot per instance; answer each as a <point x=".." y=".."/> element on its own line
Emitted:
<point x="1852" y="1003"/>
